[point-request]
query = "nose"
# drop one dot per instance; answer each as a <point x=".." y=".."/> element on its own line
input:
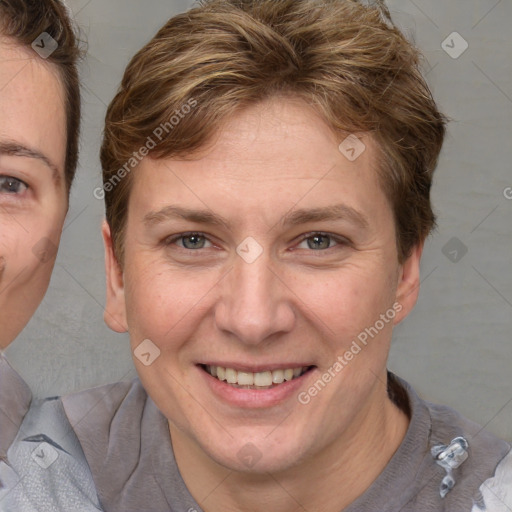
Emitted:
<point x="255" y="304"/>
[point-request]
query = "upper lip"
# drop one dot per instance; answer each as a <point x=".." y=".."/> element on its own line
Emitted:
<point x="255" y="368"/>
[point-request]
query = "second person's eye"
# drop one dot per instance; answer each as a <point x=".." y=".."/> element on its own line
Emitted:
<point x="10" y="185"/>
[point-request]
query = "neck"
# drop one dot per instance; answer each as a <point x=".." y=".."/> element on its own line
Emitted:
<point x="328" y="481"/>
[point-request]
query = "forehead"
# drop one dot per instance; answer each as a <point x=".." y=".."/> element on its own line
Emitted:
<point x="280" y="136"/>
<point x="32" y="107"/>
<point x="269" y="157"/>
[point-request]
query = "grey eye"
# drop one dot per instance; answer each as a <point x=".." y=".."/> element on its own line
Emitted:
<point x="319" y="242"/>
<point x="10" y="185"/>
<point x="193" y="241"/>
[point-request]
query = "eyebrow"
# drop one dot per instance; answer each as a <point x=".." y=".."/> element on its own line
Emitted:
<point x="293" y="218"/>
<point x="334" y="212"/>
<point x="17" y="149"/>
<point x="176" y="212"/>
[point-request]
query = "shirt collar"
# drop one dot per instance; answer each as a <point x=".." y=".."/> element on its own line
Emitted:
<point x="15" y="399"/>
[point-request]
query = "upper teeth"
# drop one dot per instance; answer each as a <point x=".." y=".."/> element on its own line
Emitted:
<point x="266" y="378"/>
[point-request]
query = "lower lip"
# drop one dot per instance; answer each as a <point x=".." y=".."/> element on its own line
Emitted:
<point x="254" y="398"/>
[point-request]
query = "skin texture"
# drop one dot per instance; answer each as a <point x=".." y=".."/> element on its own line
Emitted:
<point x="296" y="304"/>
<point x="33" y="198"/>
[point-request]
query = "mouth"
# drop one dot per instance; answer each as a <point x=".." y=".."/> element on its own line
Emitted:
<point x="266" y="379"/>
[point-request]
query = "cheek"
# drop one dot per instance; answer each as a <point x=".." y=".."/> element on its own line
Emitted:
<point x="25" y="270"/>
<point x="21" y="251"/>
<point x="348" y="299"/>
<point x="160" y="303"/>
<point x="29" y="240"/>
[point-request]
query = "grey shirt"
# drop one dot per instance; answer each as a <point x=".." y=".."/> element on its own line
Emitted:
<point x="125" y="442"/>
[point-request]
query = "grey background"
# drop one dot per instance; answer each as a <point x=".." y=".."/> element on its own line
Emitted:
<point x="455" y="347"/>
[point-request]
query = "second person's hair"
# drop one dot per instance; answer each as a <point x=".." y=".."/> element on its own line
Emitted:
<point x="24" y="21"/>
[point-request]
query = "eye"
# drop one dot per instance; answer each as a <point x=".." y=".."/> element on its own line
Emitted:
<point x="321" y="241"/>
<point x="10" y="185"/>
<point x="189" y="241"/>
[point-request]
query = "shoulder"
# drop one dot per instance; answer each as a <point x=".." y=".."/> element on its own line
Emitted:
<point x="487" y="473"/>
<point x="45" y="468"/>
<point x="496" y="491"/>
<point x="57" y="444"/>
<point x="105" y="420"/>
<point x="473" y="467"/>
<point x="98" y="413"/>
<point x="101" y="404"/>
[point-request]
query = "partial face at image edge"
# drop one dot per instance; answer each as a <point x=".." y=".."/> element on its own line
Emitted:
<point x="33" y="195"/>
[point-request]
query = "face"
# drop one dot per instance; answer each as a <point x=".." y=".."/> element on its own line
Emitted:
<point x="269" y="254"/>
<point x="33" y="198"/>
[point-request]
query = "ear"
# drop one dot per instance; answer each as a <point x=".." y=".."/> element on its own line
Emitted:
<point x="115" y="309"/>
<point x="408" y="284"/>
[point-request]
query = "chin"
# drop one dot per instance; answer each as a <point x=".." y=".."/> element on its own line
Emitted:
<point x="254" y="457"/>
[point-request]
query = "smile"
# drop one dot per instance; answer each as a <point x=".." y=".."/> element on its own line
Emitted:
<point x="257" y="380"/>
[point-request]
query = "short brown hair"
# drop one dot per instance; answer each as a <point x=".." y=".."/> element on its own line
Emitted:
<point x="24" y="21"/>
<point x="349" y="61"/>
